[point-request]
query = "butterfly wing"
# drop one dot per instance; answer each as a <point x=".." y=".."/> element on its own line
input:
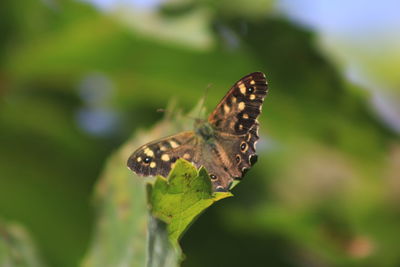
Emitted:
<point x="236" y="129"/>
<point x="229" y="157"/>
<point x="158" y="157"/>
<point x="237" y="112"/>
<point x="241" y="150"/>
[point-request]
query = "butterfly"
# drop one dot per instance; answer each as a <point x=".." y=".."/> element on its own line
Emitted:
<point x="225" y="144"/>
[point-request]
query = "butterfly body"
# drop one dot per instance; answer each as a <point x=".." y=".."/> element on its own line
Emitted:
<point x="224" y="144"/>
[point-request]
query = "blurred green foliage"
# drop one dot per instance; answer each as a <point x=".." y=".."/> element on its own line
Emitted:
<point x="119" y="236"/>
<point x="324" y="192"/>
<point x="17" y="248"/>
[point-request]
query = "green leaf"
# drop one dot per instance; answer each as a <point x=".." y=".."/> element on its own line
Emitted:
<point x="17" y="248"/>
<point x="182" y="197"/>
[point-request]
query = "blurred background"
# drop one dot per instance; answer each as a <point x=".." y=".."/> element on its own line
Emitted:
<point x="77" y="78"/>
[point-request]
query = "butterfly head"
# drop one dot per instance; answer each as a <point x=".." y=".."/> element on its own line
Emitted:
<point x="204" y="129"/>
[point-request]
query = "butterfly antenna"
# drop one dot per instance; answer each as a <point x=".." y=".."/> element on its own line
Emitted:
<point x="203" y="101"/>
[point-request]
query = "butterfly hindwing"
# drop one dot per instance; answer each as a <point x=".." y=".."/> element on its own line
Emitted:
<point x="158" y="157"/>
<point x="235" y="156"/>
<point x="238" y="110"/>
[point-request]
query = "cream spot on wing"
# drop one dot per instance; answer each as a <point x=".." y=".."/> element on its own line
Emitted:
<point x="252" y="82"/>
<point x="233" y="99"/>
<point x="139" y="159"/>
<point x="173" y="144"/>
<point x="252" y="96"/>
<point x="226" y="109"/>
<point x="248" y="137"/>
<point x="241" y="105"/>
<point x="220" y="187"/>
<point x="172" y="165"/>
<point x="163" y="148"/>
<point x="240" y="127"/>
<point x="242" y="88"/>
<point x="149" y="152"/>
<point x="186" y="156"/>
<point x="153" y="165"/>
<point x="165" y="157"/>
<point x="245" y="116"/>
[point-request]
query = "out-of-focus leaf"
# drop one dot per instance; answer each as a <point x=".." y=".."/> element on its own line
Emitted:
<point x="17" y="248"/>
<point x="120" y="236"/>
<point x="191" y="29"/>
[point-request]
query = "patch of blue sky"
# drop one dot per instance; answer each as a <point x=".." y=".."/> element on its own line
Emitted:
<point x="354" y="17"/>
<point x="111" y="4"/>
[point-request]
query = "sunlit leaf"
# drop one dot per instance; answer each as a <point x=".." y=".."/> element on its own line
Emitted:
<point x="182" y="197"/>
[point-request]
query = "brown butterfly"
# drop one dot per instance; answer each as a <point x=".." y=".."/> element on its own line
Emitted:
<point x="225" y="145"/>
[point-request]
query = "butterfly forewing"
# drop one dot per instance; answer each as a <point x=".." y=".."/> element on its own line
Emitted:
<point x="158" y="157"/>
<point x="238" y="110"/>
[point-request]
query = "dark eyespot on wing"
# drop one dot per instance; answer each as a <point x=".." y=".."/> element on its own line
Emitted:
<point x="253" y="159"/>
<point x="238" y="158"/>
<point x="243" y="146"/>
